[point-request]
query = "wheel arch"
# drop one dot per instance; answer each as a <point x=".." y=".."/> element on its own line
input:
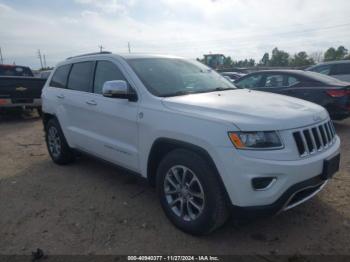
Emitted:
<point x="163" y="146"/>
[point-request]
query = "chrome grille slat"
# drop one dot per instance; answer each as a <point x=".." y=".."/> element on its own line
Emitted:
<point x="328" y="133"/>
<point x="307" y="151"/>
<point x="325" y="134"/>
<point x="320" y="137"/>
<point x="314" y="139"/>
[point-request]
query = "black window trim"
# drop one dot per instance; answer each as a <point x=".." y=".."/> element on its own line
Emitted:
<point x="66" y="83"/>
<point x="130" y="86"/>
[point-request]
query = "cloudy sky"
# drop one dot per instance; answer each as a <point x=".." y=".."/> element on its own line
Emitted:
<point x="189" y="28"/>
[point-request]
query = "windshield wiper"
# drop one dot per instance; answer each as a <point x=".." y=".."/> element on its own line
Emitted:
<point x="180" y="93"/>
<point x="187" y="92"/>
<point x="223" y="89"/>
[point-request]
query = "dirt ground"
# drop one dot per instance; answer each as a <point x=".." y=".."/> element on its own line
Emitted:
<point x="93" y="208"/>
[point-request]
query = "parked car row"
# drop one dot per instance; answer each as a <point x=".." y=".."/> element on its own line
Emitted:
<point x="326" y="91"/>
<point x="210" y="148"/>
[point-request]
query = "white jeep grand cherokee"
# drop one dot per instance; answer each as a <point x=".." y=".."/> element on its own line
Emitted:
<point x="209" y="147"/>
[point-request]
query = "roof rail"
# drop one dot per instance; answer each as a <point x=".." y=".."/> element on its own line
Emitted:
<point x="97" y="53"/>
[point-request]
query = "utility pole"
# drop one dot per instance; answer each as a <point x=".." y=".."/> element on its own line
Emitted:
<point x="101" y="48"/>
<point x="40" y="58"/>
<point x="44" y="56"/>
<point x="1" y="58"/>
<point x="129" y="47"/>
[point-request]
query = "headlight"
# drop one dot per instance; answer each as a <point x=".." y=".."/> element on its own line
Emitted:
<point x="256" y="140"/>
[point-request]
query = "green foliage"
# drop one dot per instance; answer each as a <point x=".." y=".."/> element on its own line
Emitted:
<point x="228" y="61"/>
<point x="265" y="60"/>
<point x="279" y="58"/>
<point x="244" y="63"/>
<point x="301" y="59"/>
<point x="335" y="54"/>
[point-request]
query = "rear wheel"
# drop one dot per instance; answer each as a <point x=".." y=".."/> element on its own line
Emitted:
<point x="190" y="193"/>
<point x="57" y="145"/>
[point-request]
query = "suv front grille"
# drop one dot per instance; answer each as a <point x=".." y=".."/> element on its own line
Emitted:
<point x="314" y="139"/>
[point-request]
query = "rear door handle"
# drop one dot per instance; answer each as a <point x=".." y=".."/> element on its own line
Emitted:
<point x="91" y="102"/>
<point x="60" y="96"/>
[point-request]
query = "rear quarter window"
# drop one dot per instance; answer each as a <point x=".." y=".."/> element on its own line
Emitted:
<point x="322" y="69"/>
<point x="341" y="69"/>
<point x="60" y="77"/>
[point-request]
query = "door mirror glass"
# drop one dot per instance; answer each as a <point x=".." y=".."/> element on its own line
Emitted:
<point x="116" y="89"/>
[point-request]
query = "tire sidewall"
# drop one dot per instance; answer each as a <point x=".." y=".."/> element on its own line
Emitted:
<point x="50" y="124"/>
<point x="202" y="170"/>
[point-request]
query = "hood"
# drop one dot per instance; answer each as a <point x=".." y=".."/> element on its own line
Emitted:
<point x="250" y="110"/>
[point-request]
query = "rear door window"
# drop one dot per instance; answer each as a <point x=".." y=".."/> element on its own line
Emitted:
<point x="106" y="71"/>
<point x="60" y="77"/>
<point x="80" y="77"/>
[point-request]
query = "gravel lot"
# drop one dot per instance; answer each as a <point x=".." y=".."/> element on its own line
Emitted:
<point x="93" y="208"/>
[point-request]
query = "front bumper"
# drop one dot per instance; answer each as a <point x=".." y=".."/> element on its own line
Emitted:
<point x="238" y="170"/>
<point x="294" y="196"/>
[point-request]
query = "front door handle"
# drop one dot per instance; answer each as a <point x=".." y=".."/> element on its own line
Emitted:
<point x="61" y="96"/>
<point x="91" y="102"/>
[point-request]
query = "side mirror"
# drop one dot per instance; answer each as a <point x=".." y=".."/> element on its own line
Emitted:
<point x="118" y="89"/>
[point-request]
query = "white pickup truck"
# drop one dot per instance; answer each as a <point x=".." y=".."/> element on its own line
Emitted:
<point x="210" y="149"/>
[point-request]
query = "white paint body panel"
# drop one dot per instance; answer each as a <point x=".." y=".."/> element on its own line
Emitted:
<point x="123" y="132"/>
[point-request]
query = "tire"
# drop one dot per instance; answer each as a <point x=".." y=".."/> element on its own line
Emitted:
<point x="204" y="191"/>
<point x="57" y="145"/>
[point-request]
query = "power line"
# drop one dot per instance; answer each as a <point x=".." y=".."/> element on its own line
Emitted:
<point x="249" y="35"/>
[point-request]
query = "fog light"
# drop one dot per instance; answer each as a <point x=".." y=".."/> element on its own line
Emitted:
<point x="263" y="183"/>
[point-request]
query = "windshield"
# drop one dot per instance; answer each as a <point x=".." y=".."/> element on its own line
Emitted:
<point x="171" y="76"/>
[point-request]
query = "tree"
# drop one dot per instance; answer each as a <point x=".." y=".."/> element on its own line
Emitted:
<point x="301" y="59"/>
<point x="335" y="54"/>
<point x="341" y="52"/>
<point x="251" y="62"/>
<point x="228" y="61"/>
<point x="330" y="54"/>
<point x="265" y="60"/>
<point x="244" y="63"/>
<point x="279" y="58"/>
<point x="317" y="56"/>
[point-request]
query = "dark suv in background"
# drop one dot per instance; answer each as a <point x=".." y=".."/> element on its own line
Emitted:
<point x="336" y="69"/>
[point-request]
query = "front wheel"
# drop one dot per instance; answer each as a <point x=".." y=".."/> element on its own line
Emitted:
<point x="190" y="193"/>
